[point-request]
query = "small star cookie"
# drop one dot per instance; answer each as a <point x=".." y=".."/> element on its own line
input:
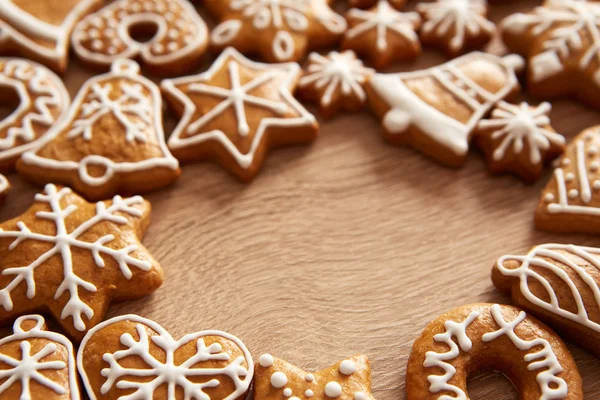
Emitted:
<point x="519" y="138"/>
<point x="236" y="111"/>
<point x="280" y="30"/>
<point x="382" y="34"/>
<point x="335" y="81"/>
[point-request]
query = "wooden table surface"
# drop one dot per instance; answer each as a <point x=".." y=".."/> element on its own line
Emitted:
<point x="346" y="246"/>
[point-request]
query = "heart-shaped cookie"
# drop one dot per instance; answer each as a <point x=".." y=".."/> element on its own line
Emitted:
<point x="130" y="357"/>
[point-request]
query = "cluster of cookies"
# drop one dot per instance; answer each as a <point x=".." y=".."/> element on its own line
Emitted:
<point x="70" y="258"/>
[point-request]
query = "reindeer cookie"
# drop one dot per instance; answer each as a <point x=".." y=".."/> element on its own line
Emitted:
<point x="111" y="141"/>
<point x="480" y="337"/>
<point x="132" y="357"/>
<point x="180" y="35"/>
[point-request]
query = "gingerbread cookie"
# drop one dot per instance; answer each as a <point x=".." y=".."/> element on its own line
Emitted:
<point x="71" y="258"/>
<point x="519" y="138"/>
<point x="37" y="364"/>
<point x="41" y="30"/>
<point x="455" y="26"/>
<point x="335" y="81"/>
<point x="571" y="200"/>
<point x="180" y="35"/>
<point x="382" y="34"/>
<point x="482" y="336"/>
<point x="436" y="110"/>
<point x="562" y="42"/>
<point x="132" y="357"/>
<point x="41" y="101"/>
<point x="236" y="111"/>
<point x="277" y="379"/>
<point x="279" y="31"/>
<point x="111" y="141"/>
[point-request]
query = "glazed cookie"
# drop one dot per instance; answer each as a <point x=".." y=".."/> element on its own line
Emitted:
<point x="40" y="100"/>
<point x="41" y="30"/>
<point x="133" y="357"/>
<point x="519" y="139"/>
<point x="37" y="364"/>
<point x="560" y="284"/>
<point x="436" y="110"/>
<point x="382" y="34"/>
<point x="455" y="26"/>
<point x="562" y="41"/>
<point x="236" y="111"/>
<point x="276" y="379"/>
<point x="482" y="336"/>
<point x="278" y="31"/>
<point x="335" y="81"/>
<point x="571" y="200"/>
<point x="111" y="141"/>
<point x="71" y="258"/>
<point x="180" y="35"/>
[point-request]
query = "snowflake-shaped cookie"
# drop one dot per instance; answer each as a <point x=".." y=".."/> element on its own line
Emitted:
<point x="71" y="258"/>
<point x="335" y="81"/>
<point x="278" y="30"/>
<point x="382" y="34"/>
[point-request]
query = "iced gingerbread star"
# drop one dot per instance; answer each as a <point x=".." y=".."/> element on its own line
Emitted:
<point x="70" y="258"/>
<point x="234" y="112"/>
<point x="278" y="30"/>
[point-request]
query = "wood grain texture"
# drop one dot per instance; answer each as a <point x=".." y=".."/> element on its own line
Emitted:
<point x="346" y="246"/>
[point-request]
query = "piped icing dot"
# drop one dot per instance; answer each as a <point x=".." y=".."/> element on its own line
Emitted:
<point x="294" y="398"/>
<point x="549" y="197"/>
<point x="573" y="193"/>
<point x="278" y="380"/>
<point x="360" y="396"/>
<point x="592" y="151"/>
<point x="309" y="377"/>
<point x="347" y="367"/>
<point x="287" y="392"/>
<point x="265" y="360"/>
<point x="309" y="393"/>
<point x="566" y="162"/>
<point x="594" y="166"/>
<point x="596" y="185"/>
<point x="569" y="177"/>
<point x="333" y="389"/>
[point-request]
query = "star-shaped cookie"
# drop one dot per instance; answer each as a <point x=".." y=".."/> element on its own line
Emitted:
<point x="70" y="258"/>
<point x="282" y="30"/>
<point x="236" y="111"/>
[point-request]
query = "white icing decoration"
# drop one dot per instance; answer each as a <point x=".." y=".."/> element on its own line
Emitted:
<point x="596" y="184"/>
<point x="287" y="392"/>
<point x="265" y="360"/>
<point x="360" y="396"/>
<point x="29" y="368"/>
<point x="573" y="193"/>
<point x="333" y="389"/>
<point x="4" y="185"/>
<point x="139" y="116"/>
<point x="155" y="51"/>
<point x="335" y="72"/>
<point x="408" y="109"/>
<point x="384" y="19"/>
<point x="278" y="380"/>
<point x="309" y="393"/>
<point x="167" y="372"/>
<point x="347" y="367"/>
<point x="570" y="177"/>
<point x="63" y="242"/>
<point x="233" y="57"/>
<point x="549" y="197"/>
<point x="516" y="125"/>
<point x="309" y="377"/>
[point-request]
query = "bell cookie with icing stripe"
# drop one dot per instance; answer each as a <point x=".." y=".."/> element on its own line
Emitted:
<point x="71" y="258"/>
<point x="236" y="111"/>
<point x="111" y="141"/>
<point x="436" y="110"/>
<point x="518" y="138"/>
<point x="383" y="35"/>
<point x="40" y="101"/>
<point x="41" y="30"/>
<point x="133" y="357"/>
<point x="559" y="284"/>
<point x="335" y="81"/>
<point x="276" y="379"/>
<point x="478" y="337"/>
<point x="179" y="38"/>
<point x="570" y="202"/>
<point x="561" y="39"/>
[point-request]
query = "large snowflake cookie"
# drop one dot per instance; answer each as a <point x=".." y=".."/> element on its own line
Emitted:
<point x="436" y="110"/>
<point x="483" y="336"/>
<point x="519" y="138"/>
<point x="562" y="41"/>
<point x="178" y="35"/>
<point x="571" y="200"/>
<point x="130" y="357"/>
<point x="276" y="379"/>
<point x="237" y="110"/>
<point x="382" y="34"/>
<point x="111" y="141"/>
<point x="41" y="30"/>
<point x="277" y="30"/>
<point x="70" y="258"/>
